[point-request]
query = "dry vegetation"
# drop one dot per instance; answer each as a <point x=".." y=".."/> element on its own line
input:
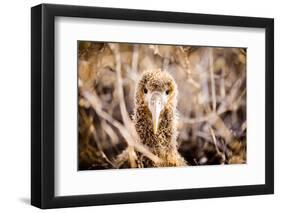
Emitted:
<point x="211" y="102"/>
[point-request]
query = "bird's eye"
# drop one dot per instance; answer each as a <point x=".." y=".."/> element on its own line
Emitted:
<point x="167" y="92"/>
<point x="145" y="91"/>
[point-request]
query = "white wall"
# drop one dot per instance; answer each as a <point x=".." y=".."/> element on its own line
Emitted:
<point x="15" y="105"/>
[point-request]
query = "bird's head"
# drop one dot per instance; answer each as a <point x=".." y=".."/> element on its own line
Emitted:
<point x="156" y="91"/>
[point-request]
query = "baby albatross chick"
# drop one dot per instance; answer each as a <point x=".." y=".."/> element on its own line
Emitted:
<point x="155" y="118"/>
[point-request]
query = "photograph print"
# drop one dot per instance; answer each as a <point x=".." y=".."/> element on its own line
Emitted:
<point x="154" y="105"/>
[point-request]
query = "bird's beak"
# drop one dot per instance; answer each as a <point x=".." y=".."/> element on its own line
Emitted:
<point x="155" y="105"/>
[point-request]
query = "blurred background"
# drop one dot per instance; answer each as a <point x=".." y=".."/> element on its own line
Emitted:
<point x="211" y="100"/>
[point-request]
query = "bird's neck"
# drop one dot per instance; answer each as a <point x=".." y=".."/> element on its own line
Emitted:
<point x="165" y="138"/>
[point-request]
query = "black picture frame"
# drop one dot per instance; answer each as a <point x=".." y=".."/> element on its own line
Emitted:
<point x="43" y="102"/>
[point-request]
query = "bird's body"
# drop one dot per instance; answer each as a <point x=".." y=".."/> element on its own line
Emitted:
<point x="156" y="120"/>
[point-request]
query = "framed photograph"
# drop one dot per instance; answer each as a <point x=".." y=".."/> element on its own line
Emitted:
<point x="139" y="106"/>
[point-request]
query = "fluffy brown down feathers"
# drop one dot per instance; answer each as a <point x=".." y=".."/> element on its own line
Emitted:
<point x="164" y="142"/>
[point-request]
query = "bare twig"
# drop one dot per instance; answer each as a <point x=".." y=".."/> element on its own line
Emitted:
<point x="94" y="133"/>
<point x="213" y="87"/>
